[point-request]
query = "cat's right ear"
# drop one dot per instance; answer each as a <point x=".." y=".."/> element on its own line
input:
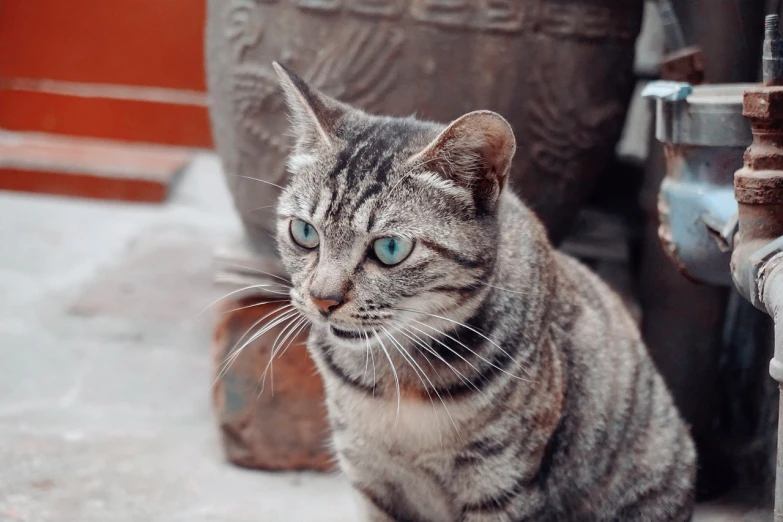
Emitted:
<point x="314" y="115"/>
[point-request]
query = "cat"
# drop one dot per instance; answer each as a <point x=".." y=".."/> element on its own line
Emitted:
<point x="472" y="372"/>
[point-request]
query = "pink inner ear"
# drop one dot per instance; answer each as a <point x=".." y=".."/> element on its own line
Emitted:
<point x="477" y="145"/>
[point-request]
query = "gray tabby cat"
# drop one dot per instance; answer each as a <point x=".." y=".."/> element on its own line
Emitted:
<point x="472" y="372"/>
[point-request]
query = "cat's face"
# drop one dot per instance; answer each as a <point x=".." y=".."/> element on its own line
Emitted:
<point x="387" y="224"/>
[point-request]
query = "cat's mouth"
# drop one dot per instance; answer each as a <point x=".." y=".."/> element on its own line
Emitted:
<point x="350" y="335"/>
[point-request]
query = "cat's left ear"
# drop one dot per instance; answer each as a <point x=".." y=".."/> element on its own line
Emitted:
<point x="313" y="114"/>
<point x="474" y="152"/>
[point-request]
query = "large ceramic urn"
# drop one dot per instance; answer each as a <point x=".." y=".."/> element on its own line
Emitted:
<point x="559" y="70"/>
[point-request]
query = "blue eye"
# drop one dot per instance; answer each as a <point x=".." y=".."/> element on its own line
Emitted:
<point x="392" y="250"/>
<point x="304" y="234"/>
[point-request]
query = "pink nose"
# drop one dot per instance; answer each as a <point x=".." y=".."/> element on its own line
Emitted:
<point x="327" y="304"/>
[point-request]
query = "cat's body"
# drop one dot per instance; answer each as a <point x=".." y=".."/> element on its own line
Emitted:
<point x="484" y="377"/>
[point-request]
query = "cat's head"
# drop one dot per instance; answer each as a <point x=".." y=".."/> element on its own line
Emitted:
<point x="388" y="222"/>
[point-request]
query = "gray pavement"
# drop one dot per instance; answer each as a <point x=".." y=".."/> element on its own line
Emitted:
<point x="105" y="411"/>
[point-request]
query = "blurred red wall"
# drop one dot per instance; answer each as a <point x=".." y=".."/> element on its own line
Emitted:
<point x="117" y="69"/>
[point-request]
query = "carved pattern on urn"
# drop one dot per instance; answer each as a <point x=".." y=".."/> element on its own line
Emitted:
<point x="562" y="127"/>
<point x="256" y="95"/>
<point x="449" y="13"/>
<point x="378" y="8"/>
<point x="590" y="21"/>
<point x="502" y="15"/>
<point x="321" y="5"/>
<point x="245" y="27"/>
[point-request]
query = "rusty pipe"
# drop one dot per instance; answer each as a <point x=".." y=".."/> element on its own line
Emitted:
<point x="757" y="260"/>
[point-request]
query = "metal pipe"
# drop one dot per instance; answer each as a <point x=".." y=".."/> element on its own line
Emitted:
<point x="704" y="135"/>
<point x="674" y="38"/>
<point x="729" y="32"/>
<point x="772" y="52"/>
<point x="757" y="260"/>
<point x="771" y="292"/>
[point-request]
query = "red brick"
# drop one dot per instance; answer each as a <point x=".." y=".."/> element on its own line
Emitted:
<point x="88" y="168"/>
<point x="284" y="429"/>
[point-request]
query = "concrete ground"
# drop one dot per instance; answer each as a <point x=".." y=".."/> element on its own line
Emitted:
<point x="105" y="409"/>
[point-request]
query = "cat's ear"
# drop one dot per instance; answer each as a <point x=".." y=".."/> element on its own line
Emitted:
<point x="474" y="152"/>
<point x="313" y="114"/>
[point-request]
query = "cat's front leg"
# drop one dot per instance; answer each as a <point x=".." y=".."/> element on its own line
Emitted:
<point x="369" y="511"/>
<point x="370" y="503"/>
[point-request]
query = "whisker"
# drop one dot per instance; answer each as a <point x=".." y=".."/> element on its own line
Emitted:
<point x="394" y="371"/>
<point x="291" y="326"/>
<point x="403" y="329"/>
<point x="278" y="309"/>
<point x="366" y="355"/>
<point x="262" y="331"/>
<point x="504" y="289"/>
<point x="213" y="303"/>
<point x="372" y="356"/>
<point x="406" y="358"/>
<point x="504" y="352"/>
<point x="266" y="328"/>
<point x="234" y="352"/>
<point x="234" y="355"/>
<point x="253" y="269"/>
<point x="305" y="323"/>
<point x="476" y="353"/>
<point x="416" y="365"/>
<point x="259" y="180"/>
<point x="449" y="348"/>
<point x="256" y="304"/>
<point x="265" y="207"/>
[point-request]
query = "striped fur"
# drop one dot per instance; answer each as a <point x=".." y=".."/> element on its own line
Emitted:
<point x="494" y="378"/>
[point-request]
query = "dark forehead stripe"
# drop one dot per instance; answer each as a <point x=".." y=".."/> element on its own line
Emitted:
<point x="364" y="166"/>
<point x="376" y="187"/>
<point x="452" y="255"/>
<point x="347" y="156"/>
<point x="359" y="149"/>
<point x="373" y="190"/>
<point x="346" y="164"/>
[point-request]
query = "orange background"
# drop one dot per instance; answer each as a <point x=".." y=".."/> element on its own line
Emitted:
<point x="141" y="46"/>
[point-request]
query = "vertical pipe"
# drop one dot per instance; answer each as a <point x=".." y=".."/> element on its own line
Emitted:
<point x="730" y="36"/>
<point x="772" y="296"/>
<point x="757" y="260"/>
<point x="682" y="321"/>
<point x="779" y="462"/>
<point x="674" y="37"/>
<point x="772" y="53"/>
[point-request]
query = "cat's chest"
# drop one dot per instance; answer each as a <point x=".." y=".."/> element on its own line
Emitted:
<point x="407" y="454"/>
<point x="408" y="428"/>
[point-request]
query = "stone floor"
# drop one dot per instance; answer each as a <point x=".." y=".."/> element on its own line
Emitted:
<point x="104" y="369"/>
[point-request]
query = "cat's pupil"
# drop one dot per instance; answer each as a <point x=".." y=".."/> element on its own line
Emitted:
<point x="306" y="230"/>
<point x="392" y="246"/>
